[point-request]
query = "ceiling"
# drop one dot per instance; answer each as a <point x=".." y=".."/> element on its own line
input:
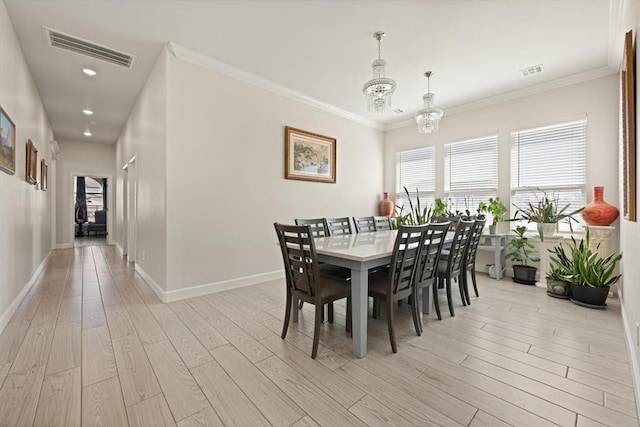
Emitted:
<point x="321" y="49"/>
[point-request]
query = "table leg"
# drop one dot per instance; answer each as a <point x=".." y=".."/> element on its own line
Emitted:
<point x="294" y="309"/>
<point x="359" y="300"/>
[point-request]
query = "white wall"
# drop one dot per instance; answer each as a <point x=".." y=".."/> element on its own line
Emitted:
<point x="83" y="159"/>
<point x="25" y="228"/>
<point x="630" y="231"/>
<point x="144" y="137"/>
<point x="225" y="176"/>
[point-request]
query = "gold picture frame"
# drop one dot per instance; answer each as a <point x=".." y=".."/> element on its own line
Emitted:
<point x="7" y="143"/>
<point x="309" y="156"/>
<point x="31" y="175"/>
<point x="44" y="175"/>
<point x="627" y="84"/>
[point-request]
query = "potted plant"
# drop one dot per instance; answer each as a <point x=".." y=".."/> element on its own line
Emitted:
<point x="546" y="214"/>
<point x="592" y="275"/>
<point x="519" y="249"/>
<point x="559" y="274"/>
<point x="495" y="208"/>
<point x="416" y="215"/>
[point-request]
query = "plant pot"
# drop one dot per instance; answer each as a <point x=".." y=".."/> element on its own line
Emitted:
<point x="588" y="296"/>
<point x="558" y="288"/>
<point x="492" y="229"/>
<point x="524" y="274"/>
<point x="546" y="229"/>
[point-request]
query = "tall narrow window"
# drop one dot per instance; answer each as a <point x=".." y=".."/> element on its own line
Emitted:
<point x="471" y="173"/>
<point x="415" y="170"/>
<point x="549" y="160"/>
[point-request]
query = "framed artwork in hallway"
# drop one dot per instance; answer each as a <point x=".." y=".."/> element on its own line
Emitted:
<point x="7" y="144"/>
<point x="628" y="128"/>
<point x="32" y="163"/>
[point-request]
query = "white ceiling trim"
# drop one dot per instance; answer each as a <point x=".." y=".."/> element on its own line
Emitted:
<point x="508" y="96"/>
<point x="186" y="54"/>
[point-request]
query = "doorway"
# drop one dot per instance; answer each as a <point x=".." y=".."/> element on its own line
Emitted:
<point x="90" y="207"/>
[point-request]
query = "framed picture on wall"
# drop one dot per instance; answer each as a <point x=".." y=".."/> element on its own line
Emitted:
<point x="309" y="156"/>
<point x="31" y="175"/>
<point x="44" y="175"/>
<point x="7" y="144"/>
<point x="628" y="129"/>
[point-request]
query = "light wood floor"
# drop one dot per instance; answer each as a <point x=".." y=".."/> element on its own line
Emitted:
<point x="91" y="344"/>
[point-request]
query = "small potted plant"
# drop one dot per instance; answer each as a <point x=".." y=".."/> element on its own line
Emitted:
<point x="592" y="274"/>
<point x="546" y="214"/>
<point x="559" y="274"/>
<point x="415" y="215"/>
<point x="519" y="249"/>
<point x="495" y="208"/>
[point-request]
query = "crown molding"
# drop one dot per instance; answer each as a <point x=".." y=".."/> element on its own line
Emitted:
<point x="185" y="54"/>
<point x="520" y="93"/>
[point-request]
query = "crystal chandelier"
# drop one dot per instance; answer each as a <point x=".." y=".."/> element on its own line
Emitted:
<point x="379" y="90"/>
<point x="428" y="118"/>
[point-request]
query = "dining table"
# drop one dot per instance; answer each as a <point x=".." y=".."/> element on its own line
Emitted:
<point x="360" y="252"/>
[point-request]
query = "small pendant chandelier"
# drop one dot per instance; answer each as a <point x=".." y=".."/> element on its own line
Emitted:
<point x="379" y="90"/>
<point x="428" y="118"/>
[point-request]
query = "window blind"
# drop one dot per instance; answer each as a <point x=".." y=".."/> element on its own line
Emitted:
<point x="471" y="172"/>
<point x="415" y="169"/>
<point x="550" y="160"/>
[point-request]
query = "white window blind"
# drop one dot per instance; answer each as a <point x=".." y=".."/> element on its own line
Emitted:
<point x="471" y="173"/>
<point x="549" y="160"/>
<point x="415" y="170"/>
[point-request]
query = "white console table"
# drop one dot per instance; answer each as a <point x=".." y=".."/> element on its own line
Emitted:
<point x="496" y="244"/>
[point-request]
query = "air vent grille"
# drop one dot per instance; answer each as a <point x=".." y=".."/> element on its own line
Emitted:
<point x="529" y="71"/>
<point x="85" y="47"/>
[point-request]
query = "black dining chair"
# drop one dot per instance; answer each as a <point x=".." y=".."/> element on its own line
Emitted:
<point x="364" y="224"/>
<point x="338" y="226"/>
<point x="304" y="279"/>
<point x="451" y="268"/>
<point x="320" y="228"/>
<point x="382" y="223"/>
<point x="398" y="283"/>
<point x="469" y="266"/>
<point x="427" y="270"/>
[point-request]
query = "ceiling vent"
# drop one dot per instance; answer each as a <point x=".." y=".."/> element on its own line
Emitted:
<point x="85" y="47"/>
<point x="529" y="71"/>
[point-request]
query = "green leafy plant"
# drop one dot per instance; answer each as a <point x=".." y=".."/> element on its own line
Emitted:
<point x="415" y="215"/>
<point x="545" y="210"/>
<point x="495" y="208"/>
<point x="441" y="208"/>
<point x="520" y="249"/>
<point x="589" y="268"/>
<point x="560" y="265"/>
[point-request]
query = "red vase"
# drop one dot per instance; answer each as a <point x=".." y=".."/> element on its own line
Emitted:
<point x="599" y="212"/>
<point x="386" y="206"/>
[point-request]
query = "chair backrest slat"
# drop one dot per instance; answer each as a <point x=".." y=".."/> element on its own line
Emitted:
<point x="459" y="245"/>
<point x="338" y="226"/>
<point x="318" y="226"/>
<point x="405" y="257"/>
<point x="470" y="259"/>
<point x="382" y="223"/>
<point x="364" y="224"/>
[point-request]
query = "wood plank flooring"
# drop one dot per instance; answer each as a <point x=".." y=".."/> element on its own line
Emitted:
<point x="92" y="345"/>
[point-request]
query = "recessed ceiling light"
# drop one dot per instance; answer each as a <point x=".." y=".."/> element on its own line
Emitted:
<point x="87" y="133"/>
<point x="87" y="112"/>
<point x="89" y="71"/>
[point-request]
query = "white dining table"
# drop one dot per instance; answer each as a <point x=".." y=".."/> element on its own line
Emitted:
<point x="360" y="252"/>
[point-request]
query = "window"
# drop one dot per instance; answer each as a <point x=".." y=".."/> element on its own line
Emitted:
<point x="471" y="173"/>
<point x="415" y="169"/>
<point x="549" y="159"/>
<point x="93" y="194"/>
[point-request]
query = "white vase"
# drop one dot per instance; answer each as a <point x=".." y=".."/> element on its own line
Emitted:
<point x="546" y="229"/>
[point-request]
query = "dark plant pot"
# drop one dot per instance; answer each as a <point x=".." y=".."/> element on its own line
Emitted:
<point x="524" y="274"/>
<point x="557" y="288"/>
<point x="589" y="296"/>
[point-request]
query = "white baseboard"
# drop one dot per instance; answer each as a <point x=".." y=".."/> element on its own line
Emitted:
<point x="119" y="248"/>
<point x="6" y="316"/>
<point x="208" y="288"/>
<point x="630" y="337"/>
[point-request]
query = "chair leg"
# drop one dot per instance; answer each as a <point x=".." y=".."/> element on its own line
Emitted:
<point x="287" y="315"/>
<point x="436" y="304"/>
<point x="466" y="288"/>
<point x="449" y="297"/>
<point x="316" y="330"/>
<point x="461" y="289"/>
<point x="349" y="319"/>
<point x="415" y="314"/>
<point x="374" y="311"/>
<point x="473" y="279"/>
<point x="392" y="335"/>
<point x="330" y="312"/>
